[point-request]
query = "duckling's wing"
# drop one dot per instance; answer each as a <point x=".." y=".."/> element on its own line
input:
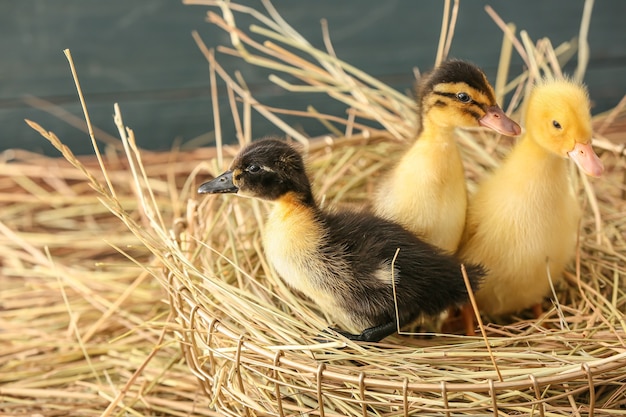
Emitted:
<point x="384" y="255"/>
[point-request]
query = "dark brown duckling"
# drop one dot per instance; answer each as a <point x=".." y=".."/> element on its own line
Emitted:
<point x="343" y="261"/>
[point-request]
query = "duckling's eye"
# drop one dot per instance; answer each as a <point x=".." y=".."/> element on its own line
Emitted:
<point x="463" y="97"/>
<point x="556" y="124"/>
<point x="253" y="169"/>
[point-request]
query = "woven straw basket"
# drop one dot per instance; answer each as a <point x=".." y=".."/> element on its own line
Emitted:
<point x="284" y="382"/>
<point x="256" y="348"/>
<point x="247" y="366"/>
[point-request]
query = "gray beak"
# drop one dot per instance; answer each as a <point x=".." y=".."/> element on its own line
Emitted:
<point x="219" y="185"/>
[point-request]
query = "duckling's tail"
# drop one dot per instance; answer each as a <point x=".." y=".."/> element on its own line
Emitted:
<point x="475" y="274"/>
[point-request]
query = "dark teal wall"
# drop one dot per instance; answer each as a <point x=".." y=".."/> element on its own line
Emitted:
<point x="140" y="53"/>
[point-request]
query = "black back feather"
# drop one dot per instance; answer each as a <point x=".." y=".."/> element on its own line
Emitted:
<point x="427" y="280"/>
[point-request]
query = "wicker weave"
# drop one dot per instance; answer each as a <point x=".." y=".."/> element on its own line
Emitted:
<point x="289" y="381"/>
<point x="547" y="368"/>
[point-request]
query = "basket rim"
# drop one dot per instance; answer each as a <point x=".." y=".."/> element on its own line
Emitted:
<point x="276" y="357"/>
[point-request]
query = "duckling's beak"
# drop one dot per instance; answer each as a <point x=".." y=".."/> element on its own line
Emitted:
<point x="586" y="159"/>
<point x="497" y="120"/>
<point x="219" y="185"/>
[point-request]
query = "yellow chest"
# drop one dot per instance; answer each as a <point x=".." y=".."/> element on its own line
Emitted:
<point x="294" y="242"/>
<point x="522" y="227"/>
<point x="426" y="193"/>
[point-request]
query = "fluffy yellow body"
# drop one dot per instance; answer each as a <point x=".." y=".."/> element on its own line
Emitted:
<point x="522" y="227"/>
<point x="523" y="220"/>
<point x="426" y="191"/>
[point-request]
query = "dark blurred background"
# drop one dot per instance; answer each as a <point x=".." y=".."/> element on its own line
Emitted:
<point x="141" y="54"/>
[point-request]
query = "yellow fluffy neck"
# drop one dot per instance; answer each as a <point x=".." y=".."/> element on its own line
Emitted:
<point x="293" y="230"/>
<point x="290" y="207"/>
<point x="530" y="159"/>
<point x="433" y="132"/>
<point x="426" y="192"/>
<point x="430" y="160"/>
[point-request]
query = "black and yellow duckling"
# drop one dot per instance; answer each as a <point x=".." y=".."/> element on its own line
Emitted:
<point x="343" y="261"/>
<point x="426" y="190"/>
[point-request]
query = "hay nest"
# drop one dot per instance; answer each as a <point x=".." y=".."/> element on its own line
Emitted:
<point x="251" y="343"/>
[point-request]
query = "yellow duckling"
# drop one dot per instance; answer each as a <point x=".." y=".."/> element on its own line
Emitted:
<point x="523" y="220"/>
<point x="348" y="263"/>
<point x="426" y="191"/>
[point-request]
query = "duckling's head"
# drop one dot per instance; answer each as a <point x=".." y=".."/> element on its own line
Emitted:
<point x="268" y="169"/>
<point x="458" y="94"/>
<point x="558" y="118"/>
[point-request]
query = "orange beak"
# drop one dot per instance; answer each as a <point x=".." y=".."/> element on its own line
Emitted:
<point x="496" y="119"/>
<point x="586" y="159"/>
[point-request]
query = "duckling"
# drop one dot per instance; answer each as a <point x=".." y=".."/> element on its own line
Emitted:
<point x="426" y="191"/>
<point x="346" y="262"/>
<point x="523" y="219"/>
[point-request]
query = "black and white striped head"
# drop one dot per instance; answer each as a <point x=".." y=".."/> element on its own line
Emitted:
<point x="458" y="94"/>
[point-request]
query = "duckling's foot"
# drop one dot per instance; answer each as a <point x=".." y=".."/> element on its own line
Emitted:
<point x="372" y="334"/>
<point x="467" y="312"/>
